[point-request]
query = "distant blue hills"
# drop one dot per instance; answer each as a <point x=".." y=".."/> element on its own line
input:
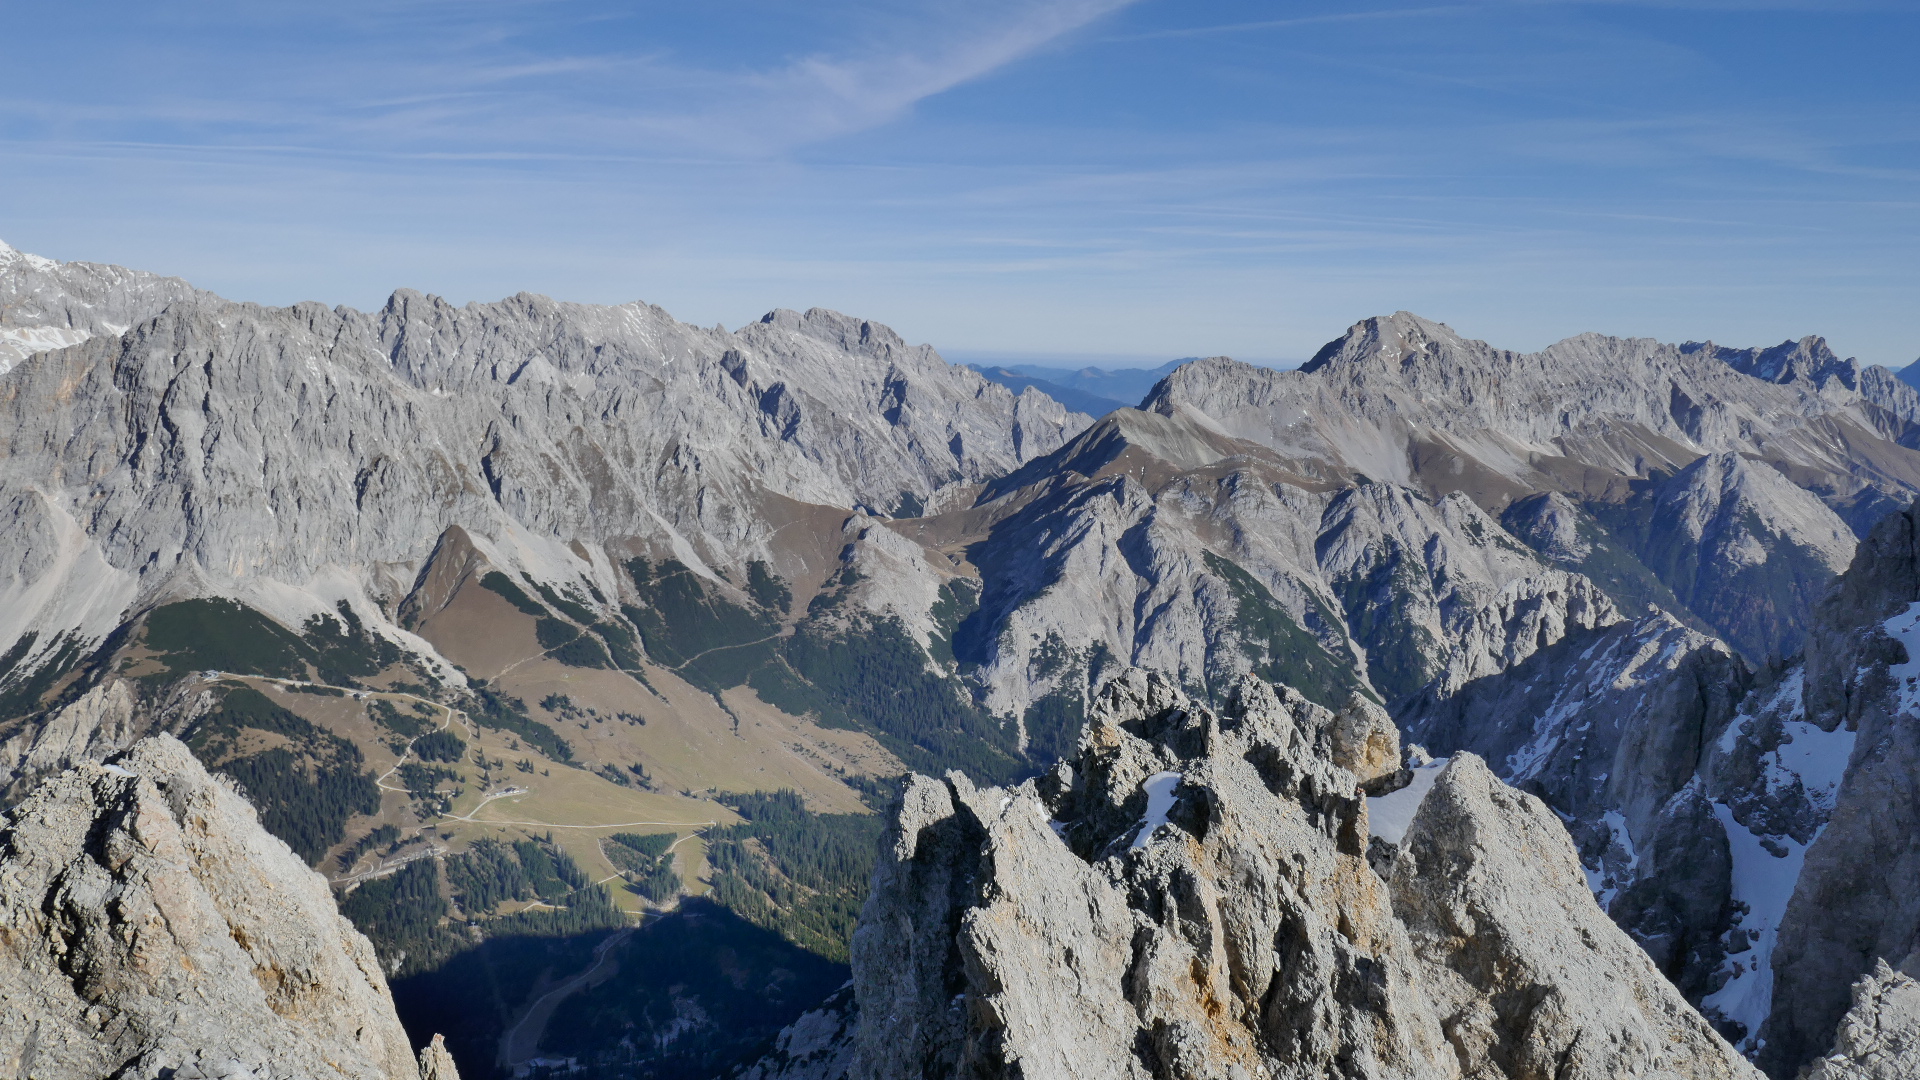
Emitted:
<point x="1091" y="390"/>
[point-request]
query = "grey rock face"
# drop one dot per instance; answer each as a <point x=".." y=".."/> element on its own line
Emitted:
<point x="1772" y="776"/>
<point x="1157" y="542"/>
<point x="1740" y="544"/>
<point x="1452" y="594"/>
<point x="818" y="1046"/>
<point x="51" y="305"/>
<point x="1611" y="727"/>
<point x="153" y="926"/>
<point x="293" y="457"/>
<point x="1192" y="898"/>
<point x="1521" y="421"/>
<point x="101" y="723"/>
<point x="1615" y="718"/>
<point x="1692" y="787"/>
<point x="1879" y="1038"/>
<point x="1691" y="798"/>
<point x="1600" y="420"/>
<point x="1558" y="990"/>
<point x="1725" y="828"/>
<point x="1330" y="528"/>
<point x="1843" y="918"/>
<point x="436" y="1063"/>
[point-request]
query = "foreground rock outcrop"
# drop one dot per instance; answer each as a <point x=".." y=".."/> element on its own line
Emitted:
<point x="1198" y="895"/>
<point x="153" y="929"/>
<point x="1879" y="1038"/>
<point x="1611" y="728"/>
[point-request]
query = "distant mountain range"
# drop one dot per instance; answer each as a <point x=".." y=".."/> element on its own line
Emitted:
<point x="729" y="585"/>
<point x="1095" y="391"/>
<point x="1091" y="390"/>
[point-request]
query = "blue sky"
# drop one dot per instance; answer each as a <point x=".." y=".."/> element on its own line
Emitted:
<point x="1091" y="178"/>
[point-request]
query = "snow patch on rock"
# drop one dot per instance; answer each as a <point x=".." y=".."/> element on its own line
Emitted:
<point x="1763" y="881"/>
<point x="1159" y="788"/>
<point x="1389" y="815"/>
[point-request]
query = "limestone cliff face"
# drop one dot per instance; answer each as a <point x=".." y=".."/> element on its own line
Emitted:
<point x="1741" y="545"/>
<point x="152" y="928"/>
<point x="1854" y="903"/>
<point x="1398" y="396"/>
<point x="1879" y="1038"/>
<point x="1432" y="510"/>
<point x="1753" y="829"/>
<point x="1157" y="542"/>
<point x="104" y="721"/>
<point x="1612" y="728"/>
<point x="1528" y="974"/>
<point x="1193" y="897"/>
<point x="1703" y="462"/>
<point x="1353" y="527"/>
<point x="51" y="305"/>
<point x="293" y="457"/>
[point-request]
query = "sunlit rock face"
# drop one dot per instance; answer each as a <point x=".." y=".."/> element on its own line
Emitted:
<point x="155" y="929"/>
<point x="1193" y="897"/>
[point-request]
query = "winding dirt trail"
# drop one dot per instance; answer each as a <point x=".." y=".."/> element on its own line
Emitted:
<point x="446" y="720"/>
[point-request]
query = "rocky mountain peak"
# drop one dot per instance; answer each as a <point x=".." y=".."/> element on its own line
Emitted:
<point x="1879" y="1038"/>
<point x="1809" y="359"/>
<point x="1550" y="523"/>
<point x="1196" y="895"/>
<point x="844" y="331"/>
<point x="10" y="254"/>
<point x="1399" y="337"/>
<point x="155" y="929"/>
<point x="46" y="304"/>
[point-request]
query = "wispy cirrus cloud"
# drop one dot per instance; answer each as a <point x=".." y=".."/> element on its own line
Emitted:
<point x="876" y="80"/>
<point x="426" y="78"/>
<point x="1307" y="20"/>
<point x="1429" y="11"/>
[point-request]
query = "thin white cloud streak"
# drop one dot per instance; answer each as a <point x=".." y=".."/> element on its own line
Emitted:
<point x="479" y="95"/>
<point x="822" y="97"/>
<point x="1306" y="20"/>
<point x="1496" y="6"/>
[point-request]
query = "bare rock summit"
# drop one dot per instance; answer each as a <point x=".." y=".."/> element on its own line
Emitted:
<point x="1198" y="894"/>
<point x="1879" y="1038"/>
<point x="154" y="929"/>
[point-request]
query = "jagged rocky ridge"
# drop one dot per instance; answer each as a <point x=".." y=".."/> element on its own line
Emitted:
<point x="48" y="305"/>
<point x="1879" y="1038"/>
<point x="1854" y="904"/>
<point x="1194" y="896"/>
<point x="1390" y="514"/>
<point x="1342" y="527"/>
<point x="294" y="457"/>
<point x="1615" y="424"/>
<point x="153" y="929"/>
<point x="1752" y="828"/>
<point x="1410" y="518"/>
